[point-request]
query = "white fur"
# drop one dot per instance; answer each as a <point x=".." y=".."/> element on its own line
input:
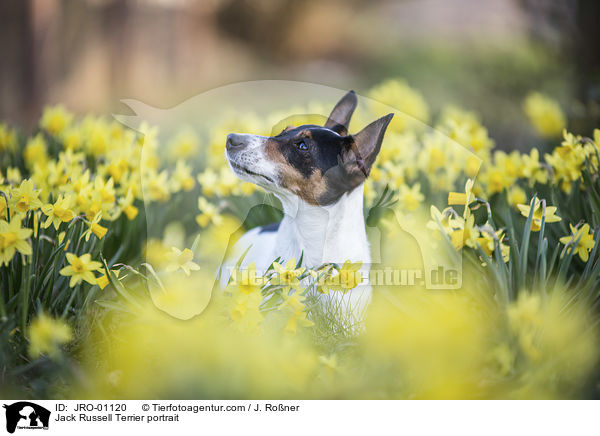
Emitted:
<point x="320" y="234"/>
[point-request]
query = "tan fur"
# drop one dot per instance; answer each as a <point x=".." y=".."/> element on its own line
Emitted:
<point x="308" y="189"/>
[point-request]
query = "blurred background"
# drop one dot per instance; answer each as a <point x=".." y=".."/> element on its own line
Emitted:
<point x="483" y="56"/>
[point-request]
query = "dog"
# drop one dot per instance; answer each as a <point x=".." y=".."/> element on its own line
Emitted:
<point x="318" y="174"/>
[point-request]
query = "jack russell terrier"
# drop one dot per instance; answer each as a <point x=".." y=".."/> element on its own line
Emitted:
<point x="318" y="174"/>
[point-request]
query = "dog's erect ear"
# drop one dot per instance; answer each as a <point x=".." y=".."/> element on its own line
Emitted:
<point x="364" y="147"/>
<point x="339" y="119"/>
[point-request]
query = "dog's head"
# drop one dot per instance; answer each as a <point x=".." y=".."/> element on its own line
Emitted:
<point x="316" y="163"/>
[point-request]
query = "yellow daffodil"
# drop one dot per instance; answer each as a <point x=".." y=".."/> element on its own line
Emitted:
<point x="103" y="280"/>
<point x="464" y="232"/>
<point x="26" y="198"/>
<point x="209" y="213"/>
<point x="126" y="205"/>
<point x="567" y="161"/>
<point x="208" y="181"/>
<point x="80" y="268"/>
<point x="348" y="277"/>
<point x="13" y="238"/>
<point x="294" y="306"/>
<point x="61" y="238"/>
<point x="584" y="238"/>
<point x="244" y="308"/>
<point x="438" y="219"/>
<point x="287" y="276"/>
<point x="227" y="182"/>
<point x="532" y="169"/>
<point x="462" y="198"/>
<point x="182" y="177"/>
<point x="95" y="228"/>
<point x="182" y="260"/>
<point x="487" y="239"/>
<point x="59" y="212"/>
<point x="411" y="197"/>
<point x="538" y="213"/>
<point x="158" y="187"/>
<point x="320" y="278"/>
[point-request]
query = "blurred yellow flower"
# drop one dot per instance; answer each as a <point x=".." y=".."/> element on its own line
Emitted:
<point x="411" y="197"/>
<point x="182" y="260"/>
<point x="244" y="307"/>
<point x="80" y="268"/>
<point x="55" y="119"/>
<point x="8" y="138"/>
<point x="208" y="181"/>
<point x="465" y="128"/>
<point x="182" y="177"/>
<point x="516" y="195"/>
<point x="13" y="175"/>
<point x="294" y="307"/>
<point x="544" y="114"/>
<point x="35" y="151"/>
<point x="399" y="95"/>
<point x="46" y="335"/>
<point x="185" y="144"/>
<point x="158" y="187"/>
<point x="209" y="213"/>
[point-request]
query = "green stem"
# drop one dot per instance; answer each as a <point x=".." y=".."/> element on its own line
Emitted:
<point x="25" y="299"/>
<point x="70" y="302"/>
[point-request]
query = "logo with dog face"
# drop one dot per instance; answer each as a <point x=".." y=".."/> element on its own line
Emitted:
<point x="26" y="415"/>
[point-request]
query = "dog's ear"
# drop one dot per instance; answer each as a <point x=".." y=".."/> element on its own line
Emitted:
<point x="362" y="148"/>
<point x="339" y="119"/>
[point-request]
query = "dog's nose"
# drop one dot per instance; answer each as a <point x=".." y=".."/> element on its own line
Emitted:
<point x="234" y="140"/>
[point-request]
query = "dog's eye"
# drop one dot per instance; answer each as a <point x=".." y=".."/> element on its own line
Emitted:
<point x="302" y="146"/>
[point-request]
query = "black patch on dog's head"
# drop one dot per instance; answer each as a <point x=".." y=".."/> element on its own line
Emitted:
<point x="311" y="148"/>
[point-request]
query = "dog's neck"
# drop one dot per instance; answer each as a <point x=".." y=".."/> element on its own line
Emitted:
<point x="323" y="234"/>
